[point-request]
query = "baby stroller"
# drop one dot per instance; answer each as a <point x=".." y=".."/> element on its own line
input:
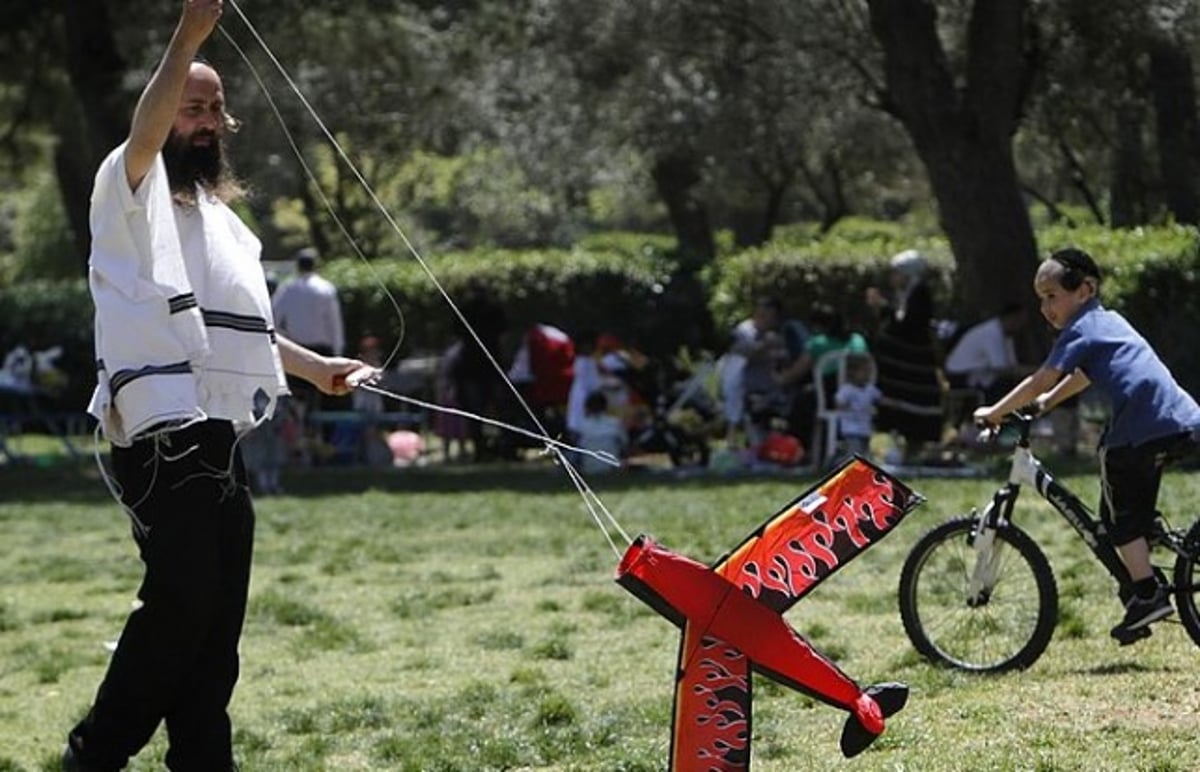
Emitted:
<point x="673" y="410"/>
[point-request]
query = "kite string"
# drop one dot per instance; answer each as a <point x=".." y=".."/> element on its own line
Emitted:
<point x="596" y="509"/>
<point x="383" y="210"/>
<point x="599" y="513"/>
<point x="308" y="172"/>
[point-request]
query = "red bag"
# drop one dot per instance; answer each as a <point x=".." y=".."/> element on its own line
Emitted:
<point x="781" y="448"/>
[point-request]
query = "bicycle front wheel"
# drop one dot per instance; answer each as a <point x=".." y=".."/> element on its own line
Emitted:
<point x="1187" y="583"/>
<point x="984" y="610"/>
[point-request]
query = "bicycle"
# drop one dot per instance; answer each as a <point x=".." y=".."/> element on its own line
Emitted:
<point x="977" y="593"/>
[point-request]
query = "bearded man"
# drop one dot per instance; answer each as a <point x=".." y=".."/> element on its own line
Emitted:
<point x="188" y="361"/>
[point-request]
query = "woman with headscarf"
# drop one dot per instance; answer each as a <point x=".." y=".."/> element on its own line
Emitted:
<point x="905" y="354"/>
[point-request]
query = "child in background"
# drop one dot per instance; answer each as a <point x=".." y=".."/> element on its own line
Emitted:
<point x="601" y="432"/>
<point x="855" y="400"/>
<point x="371" y="352"/>
<point x="451" y="429"/>
<point x="265" y="449"/>
<point x="1152" y="418"/>
<point x="587" y="378"/>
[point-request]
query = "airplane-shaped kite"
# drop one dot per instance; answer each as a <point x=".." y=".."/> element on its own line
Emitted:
<point x="731" y="616"/>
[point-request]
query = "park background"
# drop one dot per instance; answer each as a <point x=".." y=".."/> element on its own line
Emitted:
<point x="646" y="167"/>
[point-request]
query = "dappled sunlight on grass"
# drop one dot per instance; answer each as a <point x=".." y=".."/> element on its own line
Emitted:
<point x="401" y="623"/>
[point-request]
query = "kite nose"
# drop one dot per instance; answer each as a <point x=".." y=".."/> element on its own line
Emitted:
<point x="637" y="551"/>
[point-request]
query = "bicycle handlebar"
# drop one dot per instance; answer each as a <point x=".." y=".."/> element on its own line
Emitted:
<point x="1022" y="419"/>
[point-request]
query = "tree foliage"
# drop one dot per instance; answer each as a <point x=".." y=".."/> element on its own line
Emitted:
<point x="531" y="123"/>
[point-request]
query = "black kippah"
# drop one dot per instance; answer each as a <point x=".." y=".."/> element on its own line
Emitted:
<point x="1078" y="265"/>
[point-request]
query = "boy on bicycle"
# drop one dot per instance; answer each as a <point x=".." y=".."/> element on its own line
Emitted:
<point x="1152" y="418"/>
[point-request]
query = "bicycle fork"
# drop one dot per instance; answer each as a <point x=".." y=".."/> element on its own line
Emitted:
<point x="987" y="551"/>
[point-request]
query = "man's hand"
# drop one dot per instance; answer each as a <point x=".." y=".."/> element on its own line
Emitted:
<point x="332" y="375"/>
<point x="198" y="20"/>
<point x="339" y="375"/>
<point x="346" y="382"/>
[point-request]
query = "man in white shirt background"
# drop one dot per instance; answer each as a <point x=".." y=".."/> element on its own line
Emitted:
<point x="307" y="310"/>
<point x="985" y="359"/>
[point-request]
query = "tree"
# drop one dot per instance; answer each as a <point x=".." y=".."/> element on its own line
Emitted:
<point x="962" y="124"/>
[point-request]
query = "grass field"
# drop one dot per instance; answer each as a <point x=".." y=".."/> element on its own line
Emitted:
<point x="466" y="619"/>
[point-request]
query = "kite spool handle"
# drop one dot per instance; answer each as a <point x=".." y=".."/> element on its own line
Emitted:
<point x="356" y="378"/>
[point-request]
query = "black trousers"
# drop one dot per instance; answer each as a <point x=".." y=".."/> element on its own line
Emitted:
<point x="177" y="658"/>
<point x="1130" y="477"/>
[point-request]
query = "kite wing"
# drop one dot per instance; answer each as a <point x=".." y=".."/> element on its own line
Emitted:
<point x="711" y="722"/>
<point x="816" y="534"/>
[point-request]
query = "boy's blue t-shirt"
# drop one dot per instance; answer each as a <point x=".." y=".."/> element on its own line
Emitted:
<point x="1146" y="401"/>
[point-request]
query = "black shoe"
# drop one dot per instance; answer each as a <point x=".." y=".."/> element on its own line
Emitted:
<point x="71" y="762"/>
<point x="1128" y="637"/>
<point x="1140" y="612"/>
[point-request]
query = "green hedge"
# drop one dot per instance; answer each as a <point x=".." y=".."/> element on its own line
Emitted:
<point x="621" y="283"/>
<point x="834" y="270"/>
<point x="606" y="289"/>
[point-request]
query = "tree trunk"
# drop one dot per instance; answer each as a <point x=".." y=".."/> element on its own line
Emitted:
<point x="1127" y="206"/>
<point x="753" y="226"/>
<point x="963" y="134"/>
<point x="1178" y="133"/>
<point x="675" y="177"/>
<point x="986" y="221"/>
<point x="96" y="70"/>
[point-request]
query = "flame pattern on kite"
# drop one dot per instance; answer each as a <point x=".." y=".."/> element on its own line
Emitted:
<point x="799" y="547"/>
<point x="717" y="701"/>
<point x="731" y="618"/>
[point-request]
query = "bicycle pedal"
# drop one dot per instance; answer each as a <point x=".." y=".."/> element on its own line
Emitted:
<point x="1127" y="637"/>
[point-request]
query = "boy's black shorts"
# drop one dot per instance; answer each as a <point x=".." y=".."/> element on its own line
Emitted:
<point x="1129" y="480"/>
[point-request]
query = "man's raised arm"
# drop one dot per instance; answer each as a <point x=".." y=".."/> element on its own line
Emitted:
<point x="156" y="109"/>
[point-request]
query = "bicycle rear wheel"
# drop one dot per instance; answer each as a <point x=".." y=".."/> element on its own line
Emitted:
<point x="1187" y="583"/>
<point x="1003" y="624"/>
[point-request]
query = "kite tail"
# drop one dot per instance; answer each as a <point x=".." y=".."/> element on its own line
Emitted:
<point x="865" y="721"/>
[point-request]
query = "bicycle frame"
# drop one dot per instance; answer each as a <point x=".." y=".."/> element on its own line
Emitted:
<point x="1026" y="470"/>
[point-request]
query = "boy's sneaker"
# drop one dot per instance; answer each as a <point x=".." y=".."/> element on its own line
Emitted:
<point x="1140" y="612"/>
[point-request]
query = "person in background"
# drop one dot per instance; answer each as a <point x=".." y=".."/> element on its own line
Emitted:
<point x="984" y="358"/>
<point x="452" y="430"/>
<point x="478" y="388"/>
<point x="307" y="310"/>
<point x="905" y="353"/>
<point x="602" y="432"/>
<point x="855" y="400"/>
<point x="827" y="334"/>
<point x="762" y="346"/>
<point x="189" y="360"/>
<point x="371" y="447"/>
<point x="585" y="380"/>
<point x="370" y="351"/>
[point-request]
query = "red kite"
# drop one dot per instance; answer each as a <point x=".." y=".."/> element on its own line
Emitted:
<point x="731" y="616"/>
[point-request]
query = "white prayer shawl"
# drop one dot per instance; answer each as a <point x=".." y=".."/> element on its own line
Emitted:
<point x="183" y="320"/>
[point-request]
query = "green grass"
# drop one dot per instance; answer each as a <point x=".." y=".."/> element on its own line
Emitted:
<point x="467" y="620"/>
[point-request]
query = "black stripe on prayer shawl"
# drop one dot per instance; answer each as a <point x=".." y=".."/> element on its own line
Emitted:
<point x="239" y="322"/>
<point x="182" y="302"/>
<point x="123" y="378"/>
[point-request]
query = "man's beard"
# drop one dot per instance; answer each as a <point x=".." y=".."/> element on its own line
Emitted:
<point x="189" y="165"/>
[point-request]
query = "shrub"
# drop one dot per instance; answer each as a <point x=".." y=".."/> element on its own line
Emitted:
<point x="620" y="282"/>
